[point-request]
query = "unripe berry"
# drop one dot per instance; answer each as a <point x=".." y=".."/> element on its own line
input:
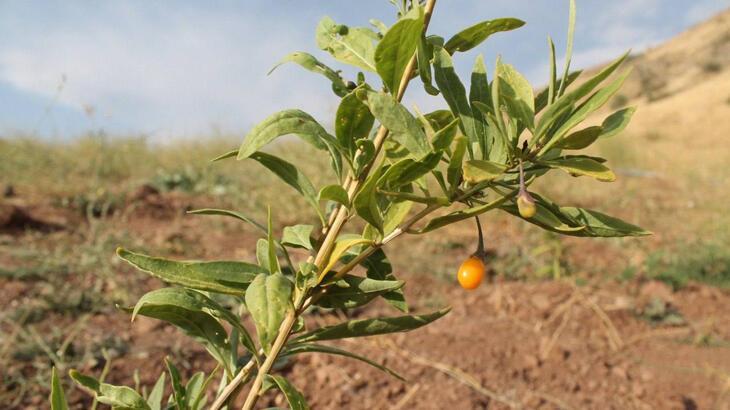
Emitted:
<point x="526" y="205"/>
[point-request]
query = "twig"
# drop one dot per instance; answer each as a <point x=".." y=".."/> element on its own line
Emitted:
<point x="455" y="373"/>
<point x="554" y="338"/>
<point x="407" y="397"/>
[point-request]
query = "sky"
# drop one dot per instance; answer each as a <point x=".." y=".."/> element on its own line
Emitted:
<point x="186" y="69"/>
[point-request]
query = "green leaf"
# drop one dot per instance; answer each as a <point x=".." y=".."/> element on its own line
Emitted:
<point x="350" y="45"/>
<point x="454" y="170"/>
<point x="299" y="348"/>
<point x="154" y="400"/>
<point x="403" y="127"/>
<point x="479" y="92"/>
<point x="295" y="399"/>
<point x="341" y="246"/>
<point x="298" y="236"/>
<point x="593" y="103"/>
<point x="616" y="122"/>
<point x="569" y="48"/>
<point x="291" y="175"/>
<point x="89" y="383"/>
<point x="580" y="139"/>
<point x="443" y="138"/>
<point x="395" y="214"/>
<point x="464" y="214"/>
<point x="582" y="165"/>
<point x="546" y="216"/>
<point x="285" y="122"/>
<point x="334" y="193"/>
<point x="370" y="327"/>
<point x="178" y="390"/>
<point x="311" y="63"/>
<point x="598" y="224"/>
<point x="407" y="196"/>
<point x="225" y="212"/>
<point x="408" y="170"/>
<point x="262" y="254"/>
<point x="553" y="112"/>
<point x="472" y="36"/>
<point x="366" y="155"/>
<point x="268" y="301"/>
<point x="397" y="47"/>
<point x="192" y="312"/>
<point x="273" y="261"/>
<point x="57" y="397"/>
<point x="455" y="94"/>
<point x="365" y="201"/>
<point x="379" y="267"/>
<point x="542" y="98"/>
<point x="353" y="291"/>
<point x="424" y="54"/>
<point x="353" y="122"/>
<point x="193" y="389"/>
<point x="518" y="94"/>
<point x="228" y="277"/>
<point x="121" y="397"/>
<point x="476" y="171"/>
<point x="552" y="87"/>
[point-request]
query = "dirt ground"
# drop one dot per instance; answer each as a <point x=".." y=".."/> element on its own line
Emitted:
<point x="602" y="344"/>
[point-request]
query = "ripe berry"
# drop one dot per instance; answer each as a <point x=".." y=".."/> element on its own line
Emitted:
<point x="471" y="273"/>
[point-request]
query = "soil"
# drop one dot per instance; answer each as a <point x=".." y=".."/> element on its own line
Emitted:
<point x="533" y="345"/>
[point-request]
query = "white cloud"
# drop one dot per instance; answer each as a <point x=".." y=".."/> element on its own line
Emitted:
<point x="179" y="74"/>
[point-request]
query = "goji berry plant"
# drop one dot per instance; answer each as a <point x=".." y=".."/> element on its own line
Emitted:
<point x="411" y="174"/>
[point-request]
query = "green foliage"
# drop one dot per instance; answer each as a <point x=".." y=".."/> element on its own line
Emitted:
<point x="476" y="153"/>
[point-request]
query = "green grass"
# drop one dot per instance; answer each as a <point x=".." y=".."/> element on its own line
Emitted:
<point x="707" y="263"/>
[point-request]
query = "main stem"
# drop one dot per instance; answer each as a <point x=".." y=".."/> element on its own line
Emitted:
<point x="325" y="249"/>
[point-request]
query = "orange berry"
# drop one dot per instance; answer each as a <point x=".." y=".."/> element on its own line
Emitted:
<point x="471" y="273"/>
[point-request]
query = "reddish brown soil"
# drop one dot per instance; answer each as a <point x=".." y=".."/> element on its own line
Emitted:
<point x="539" y="345"/>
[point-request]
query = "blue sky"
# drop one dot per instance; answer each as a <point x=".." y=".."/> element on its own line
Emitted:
<point x="188" y="68"/>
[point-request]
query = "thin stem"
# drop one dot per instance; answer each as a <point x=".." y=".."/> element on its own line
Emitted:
<point x="233" y="386"/>
<point x="480" y="245"/>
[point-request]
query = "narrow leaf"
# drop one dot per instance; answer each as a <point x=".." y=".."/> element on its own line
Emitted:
<point x="291" y="175"/>
<point x="268" y="301"/>
<point x="295" y="399"/>
<point x="286" y="122"/>
<point x="580" y="139"/>
<point x="479" y="92"/>
<point x="370" y="327"/>
<point x="616" y="122"/>
<point x="581" y="165"/>
<point x="311" y="63"/>
<point x="397" y="47"/>
<point x="353" y="122"/>
<point x="341" y="246"/>
<point x="408" y="170"/>
<point x="464" y="214"/>
<point x="228" y="277"/>
<point x="455" y="94"/>
<point x="472" y="36"/>
<point x="154" y="400"/>
<point x="403" y="126"/>
<point x="225" y="212"/>
<point x="353" y="291"/>
<point x="299" y="348"/>
<point x="57" y="397"/>
<point x="379" y="267"/>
